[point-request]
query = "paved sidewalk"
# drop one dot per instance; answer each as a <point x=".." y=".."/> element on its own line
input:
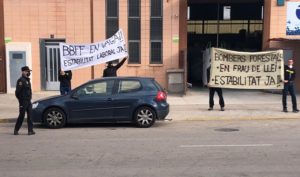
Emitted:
<point x="239" y="105"/>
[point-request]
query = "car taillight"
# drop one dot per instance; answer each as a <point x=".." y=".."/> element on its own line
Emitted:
<point x="161" y="96"/>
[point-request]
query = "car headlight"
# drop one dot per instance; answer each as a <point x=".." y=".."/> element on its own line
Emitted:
<point x="35" y="105"/>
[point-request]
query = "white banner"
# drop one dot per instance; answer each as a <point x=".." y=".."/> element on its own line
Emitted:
<point x="246" y="70"/>
<point x="75" y="56"/>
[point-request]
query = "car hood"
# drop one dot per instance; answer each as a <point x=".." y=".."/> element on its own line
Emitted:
<point x="50" y="98"/>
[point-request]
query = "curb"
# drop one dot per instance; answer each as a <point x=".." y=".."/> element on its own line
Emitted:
<point x="13" y="120"/>
<point x="237" y="119"/>
<point x="8" y="120"/>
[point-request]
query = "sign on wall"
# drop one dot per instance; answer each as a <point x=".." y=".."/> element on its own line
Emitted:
<point x="246" y="70"/>
<point x="293" y="18"/>
<point x="75" y="56"/>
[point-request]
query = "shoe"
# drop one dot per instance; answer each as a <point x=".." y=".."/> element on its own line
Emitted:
<point x="285" y="110"/>
<point x="31" y="133"/>
<point x="16" y="132"/>
<point x="210" y="108"/>
<point x="296" y="110"/>
<point x="222" y="109"/>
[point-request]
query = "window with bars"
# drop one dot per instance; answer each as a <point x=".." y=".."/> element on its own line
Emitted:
<point x="134" y="31"/>
<point x="156" y="31"/>
<point x="112" y="17"/>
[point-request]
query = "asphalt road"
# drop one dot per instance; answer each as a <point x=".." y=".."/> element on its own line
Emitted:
<point x="268" y="148"/>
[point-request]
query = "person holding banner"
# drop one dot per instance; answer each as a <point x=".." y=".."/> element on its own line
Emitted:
<point x="65" y="81"/>
<point x="289" y="86"/>
<point x="111" y="70"/>
<point x="212" y="91"/>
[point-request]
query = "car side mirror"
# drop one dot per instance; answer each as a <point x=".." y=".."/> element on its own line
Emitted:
<point x="75" y="97"/>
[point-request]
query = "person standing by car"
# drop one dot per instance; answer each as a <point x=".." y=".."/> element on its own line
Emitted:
<point x="111" y="70"/>
<point x="24" y="94"/>
<point x="65" y="81"/>
<point x="289" y="86"/>
<point x="212" y="91"/>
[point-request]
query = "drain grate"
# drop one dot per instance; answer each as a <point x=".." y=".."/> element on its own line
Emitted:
<point x="227" y="129"/>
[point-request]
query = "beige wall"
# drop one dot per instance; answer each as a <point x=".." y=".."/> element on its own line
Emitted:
<point x="31" y="20"/>
<point x="275" y="28"/>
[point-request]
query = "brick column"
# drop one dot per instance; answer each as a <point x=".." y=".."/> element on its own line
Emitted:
<point x="2" y="51"/>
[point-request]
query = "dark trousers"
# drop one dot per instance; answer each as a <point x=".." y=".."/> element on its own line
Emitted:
<point x="212" y="91"/>
<point x="24" y="106"/>
<point x="65" y="90"/>
<point x="289" y="88"/>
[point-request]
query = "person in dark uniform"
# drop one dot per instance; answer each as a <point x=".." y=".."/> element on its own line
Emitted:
<point x="289" y="86"/>
<point x="212" y="91"/>
<point x="65" y="81"/>
<point x="111" y="70"/>
<point x="24" y="94"/>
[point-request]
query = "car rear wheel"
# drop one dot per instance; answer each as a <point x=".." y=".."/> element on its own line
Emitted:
<point x="54" y="118"/>
<point x="144" y="117"/>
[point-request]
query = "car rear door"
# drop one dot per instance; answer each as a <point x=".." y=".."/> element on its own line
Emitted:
<point x="127" y="97"/>
<point x="92" y="102"/>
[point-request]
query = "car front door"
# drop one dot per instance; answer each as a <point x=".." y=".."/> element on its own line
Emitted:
<point x="92" y="102"/>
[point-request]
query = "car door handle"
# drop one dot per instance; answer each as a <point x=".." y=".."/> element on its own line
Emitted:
<point x="109" y="99"/>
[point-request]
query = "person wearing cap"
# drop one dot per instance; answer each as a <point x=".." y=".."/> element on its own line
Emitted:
<point x="289" y="86"/>
<point x="65" y="81"/>
<point x="24" y="94"/>
<point x="111" y="70"/>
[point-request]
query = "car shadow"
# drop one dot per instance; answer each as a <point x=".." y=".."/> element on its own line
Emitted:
<point x="103" y="125"/>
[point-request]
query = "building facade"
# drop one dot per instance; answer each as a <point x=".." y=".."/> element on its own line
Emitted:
<point x="158" y="34"/>
<point x="276" y="35"/>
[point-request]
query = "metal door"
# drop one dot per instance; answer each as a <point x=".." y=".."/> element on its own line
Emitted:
<point x="17" y="59"/>
<point x="52" y="67"/>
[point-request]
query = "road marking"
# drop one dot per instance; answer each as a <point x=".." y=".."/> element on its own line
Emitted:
<point x="226" y="145"/>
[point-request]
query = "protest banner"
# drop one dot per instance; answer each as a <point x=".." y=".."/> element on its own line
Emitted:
<point x="246" y="70"/>
<point x="75" y="56"/>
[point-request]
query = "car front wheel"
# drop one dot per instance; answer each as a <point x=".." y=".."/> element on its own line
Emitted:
<point x="144" y="117"/>
<point x="54" y="118"/>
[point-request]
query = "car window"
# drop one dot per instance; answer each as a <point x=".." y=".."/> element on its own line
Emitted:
<point x="126" y="86"/>
<point x="158" y="85"/>
<point x="101" y="88"/>
<point x="150" y="86"/>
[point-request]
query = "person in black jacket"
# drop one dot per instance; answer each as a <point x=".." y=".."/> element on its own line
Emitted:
<point x="289" y="86"/>
<point x="65" y="81"/>
<point x="24" y="94"/>
<point x="111" y="70"/>
<point x="212" y="91"/>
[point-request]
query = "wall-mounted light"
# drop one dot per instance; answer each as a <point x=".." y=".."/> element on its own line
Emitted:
<point x="188" y="13"/>
<point x="280" y="2"/>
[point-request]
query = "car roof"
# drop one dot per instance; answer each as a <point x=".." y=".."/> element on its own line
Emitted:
<point x="122" y="77"/>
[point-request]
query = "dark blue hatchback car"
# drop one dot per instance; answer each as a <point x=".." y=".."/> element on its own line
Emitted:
<point x="113" y="99"/>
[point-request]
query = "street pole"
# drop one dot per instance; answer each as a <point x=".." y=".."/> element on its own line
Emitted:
<point x="2" y="51"/>
<point x="92" y="33"/>
<point x="218" y="25"/>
